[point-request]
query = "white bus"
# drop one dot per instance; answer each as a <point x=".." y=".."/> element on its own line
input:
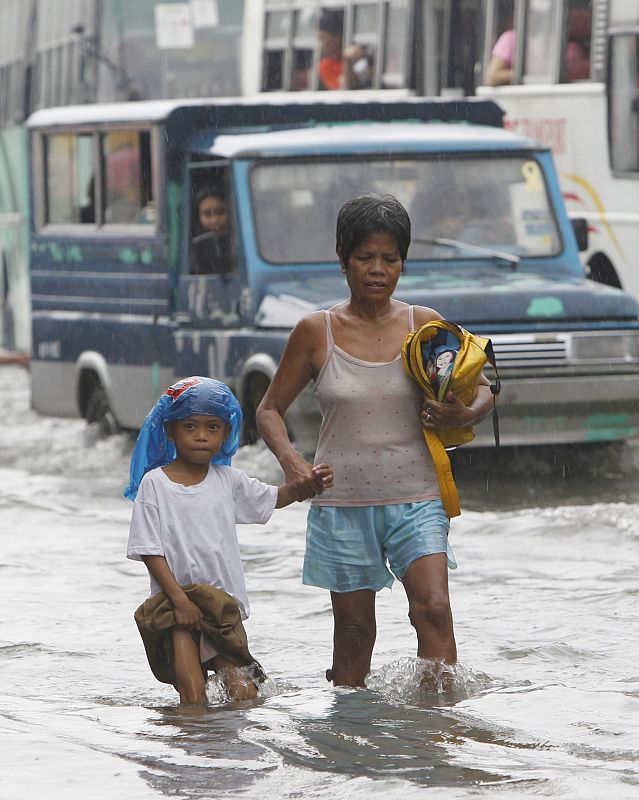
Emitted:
<point x="426" y="47"/>
<point x="574" y="85"/>
<point x="571" y="69"/>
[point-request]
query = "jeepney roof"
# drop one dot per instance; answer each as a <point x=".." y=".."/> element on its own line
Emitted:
<point x="367" y="138"/>
<point x="272" y="109"/>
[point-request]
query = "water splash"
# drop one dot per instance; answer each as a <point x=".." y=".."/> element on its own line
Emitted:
<point x="419" y="680"/>
<point x="217" y="691"/>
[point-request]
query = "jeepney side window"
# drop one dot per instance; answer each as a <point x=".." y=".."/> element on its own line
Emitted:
<point x="212" y="237"/>
<point x="576" y="66"/>
<point x="126" y="166"/>
<point x="69" y="185"/>
<point x="623" y="105"/>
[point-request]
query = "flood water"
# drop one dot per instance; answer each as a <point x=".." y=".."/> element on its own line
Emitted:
<point x="544" y="702"/>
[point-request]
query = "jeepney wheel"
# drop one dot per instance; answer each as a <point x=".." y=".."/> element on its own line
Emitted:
<point x="99" y="411"/>
<point x="255" y="391"/>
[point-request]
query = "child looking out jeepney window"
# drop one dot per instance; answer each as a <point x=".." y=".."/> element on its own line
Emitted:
<point x="210" y="245"/>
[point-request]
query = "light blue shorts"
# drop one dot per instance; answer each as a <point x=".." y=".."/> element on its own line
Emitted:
<point x="352" y="547"/>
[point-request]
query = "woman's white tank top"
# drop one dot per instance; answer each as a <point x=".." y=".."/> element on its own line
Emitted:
<point x="371" y="433"/>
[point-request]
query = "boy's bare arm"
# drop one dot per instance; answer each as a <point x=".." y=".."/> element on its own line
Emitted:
<point x="187" y="614"/>
<point x="321" y="479"/>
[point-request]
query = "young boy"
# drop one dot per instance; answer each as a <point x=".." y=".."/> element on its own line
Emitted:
<point x="187" y="501"/>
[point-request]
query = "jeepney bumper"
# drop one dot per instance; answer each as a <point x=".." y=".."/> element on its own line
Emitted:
<point x="542" y="410"/>
<point x="564" y="410"/>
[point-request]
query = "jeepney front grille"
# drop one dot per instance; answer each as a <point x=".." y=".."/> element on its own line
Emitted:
<point x="530" y="352"/>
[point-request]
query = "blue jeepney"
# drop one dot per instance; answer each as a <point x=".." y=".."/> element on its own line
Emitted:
<point x="130" y="292"/>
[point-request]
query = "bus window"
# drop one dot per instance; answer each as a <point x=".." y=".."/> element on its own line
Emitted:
<point x="359" y="57"/>
<point x="304" y="43"/>
<point x="59" y="74"/>
<point x="13" y="31"/>
<point x="330" y="31"/>
<point x="276" y="35"/>
<point x="501" y="64"/>
<point x="395" y="45"/>
<point x="69" y="179"/>
<point x="578" y="36"/>
<point x="623" y="122"/>
<point x="540" y="39"/>
<point x="128" y="195"/>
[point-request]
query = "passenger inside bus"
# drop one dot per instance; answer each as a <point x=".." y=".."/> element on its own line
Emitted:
<point x="499" y="71"/>
<point x="210" y="250"/>
<point x="341" y="68"/>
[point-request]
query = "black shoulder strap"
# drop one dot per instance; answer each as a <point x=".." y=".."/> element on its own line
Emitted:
<point x="495" y="388"/>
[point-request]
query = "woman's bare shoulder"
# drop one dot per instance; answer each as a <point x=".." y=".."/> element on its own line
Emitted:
<point x="311" y="323"/>
<point x="423" y="314"/>
<point x="309" y="329"/>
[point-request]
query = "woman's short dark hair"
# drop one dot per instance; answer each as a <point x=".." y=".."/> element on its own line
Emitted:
<point x="371" y="213"/>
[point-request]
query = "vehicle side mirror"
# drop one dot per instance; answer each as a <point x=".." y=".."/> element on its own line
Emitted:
<point x="580" y="227"/>
<point x="210" y="255"/>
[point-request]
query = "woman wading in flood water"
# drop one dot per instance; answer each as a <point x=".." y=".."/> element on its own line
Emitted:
<point x="384" y="517"/>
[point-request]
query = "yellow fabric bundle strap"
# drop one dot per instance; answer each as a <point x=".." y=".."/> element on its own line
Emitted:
<point x="474" y="352"/>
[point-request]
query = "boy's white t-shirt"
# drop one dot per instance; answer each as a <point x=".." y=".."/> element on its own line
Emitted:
<point x="193" y="527"/>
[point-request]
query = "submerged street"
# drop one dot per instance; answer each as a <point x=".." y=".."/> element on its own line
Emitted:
<point x="545" y="699"/>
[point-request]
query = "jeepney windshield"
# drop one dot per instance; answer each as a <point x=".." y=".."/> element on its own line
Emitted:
<point x="498" y="203"/>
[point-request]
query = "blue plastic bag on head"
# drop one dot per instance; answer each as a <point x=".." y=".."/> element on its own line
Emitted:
<point x="194" y="395"/>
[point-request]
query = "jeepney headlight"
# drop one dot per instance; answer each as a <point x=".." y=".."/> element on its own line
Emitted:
<point x="618" y="347"/>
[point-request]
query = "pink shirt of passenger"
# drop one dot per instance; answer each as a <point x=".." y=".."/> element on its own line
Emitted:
<point x="505" y="47"/>
<point x="371" y="433"/>
<point x="577" y="63"/>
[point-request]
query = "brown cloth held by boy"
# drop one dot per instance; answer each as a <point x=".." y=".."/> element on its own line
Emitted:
<point x="221" y="624"/>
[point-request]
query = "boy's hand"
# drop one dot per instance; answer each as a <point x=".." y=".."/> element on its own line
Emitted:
<point x="187" y="615"/>
<point x="323" y="476"/>
<point x="320" y="478"/>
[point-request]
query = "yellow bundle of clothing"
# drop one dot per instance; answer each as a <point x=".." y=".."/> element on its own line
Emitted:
<point x="470" y="355"/>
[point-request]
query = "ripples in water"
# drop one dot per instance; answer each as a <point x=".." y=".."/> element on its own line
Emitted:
<point x="545" y="701"/>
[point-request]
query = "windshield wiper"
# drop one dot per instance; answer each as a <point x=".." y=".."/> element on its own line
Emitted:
<point x="472" y="248"/>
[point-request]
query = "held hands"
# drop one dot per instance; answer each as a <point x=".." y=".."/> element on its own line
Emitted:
<point x="187" y="615"/>
<point x="452" y="413"/>
<point x="305" y="480"/>
<point x="323" y="475"/>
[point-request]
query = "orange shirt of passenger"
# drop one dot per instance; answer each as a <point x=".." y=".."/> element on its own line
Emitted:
<point x="330" y="72"/>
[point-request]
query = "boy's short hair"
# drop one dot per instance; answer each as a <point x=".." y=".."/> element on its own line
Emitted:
<point x="331" y="22"/>
<point x="371" y="213"/>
